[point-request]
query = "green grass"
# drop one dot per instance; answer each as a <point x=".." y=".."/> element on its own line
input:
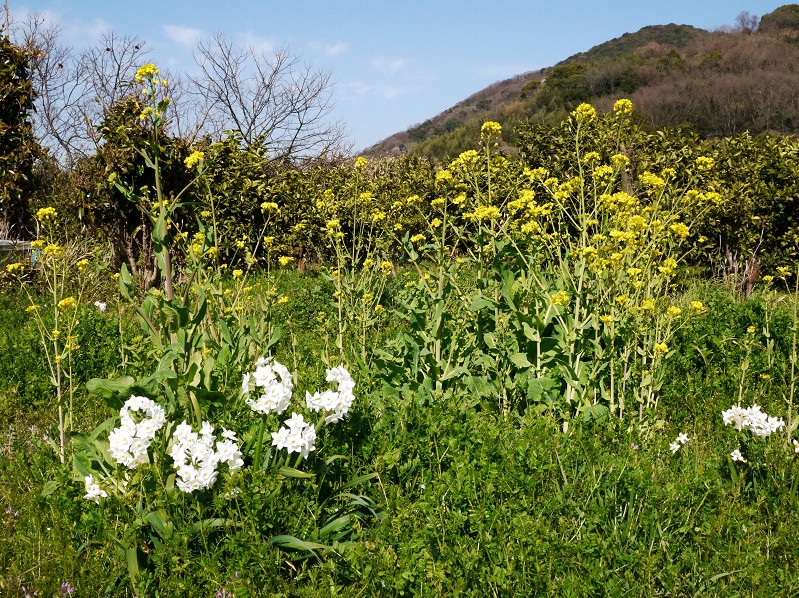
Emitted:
<point x="471" y="502"/>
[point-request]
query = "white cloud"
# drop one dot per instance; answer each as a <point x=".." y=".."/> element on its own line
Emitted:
<point x="78" y="33"/>
<point x="391" y="66"/>
<point x="385" y="92"/>
<point x="330" y="49"/>
<point x="185" y="36"/>
<point x="259" y="45"/>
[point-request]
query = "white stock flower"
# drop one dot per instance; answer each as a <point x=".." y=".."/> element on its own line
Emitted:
<point x="93" y="490"/>
<point x="296" y="436"/>
<point x="754" y="419"/>
<point x="129" y="443"/>
<point x="275" y="393"/>
<point x="333" y="404"/>
<point x="196" y="459"/>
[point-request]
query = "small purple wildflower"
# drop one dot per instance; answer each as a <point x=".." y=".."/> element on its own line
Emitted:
<point x="66" y="588"/>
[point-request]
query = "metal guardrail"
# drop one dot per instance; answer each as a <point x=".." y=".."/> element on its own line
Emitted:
<point x="12" y="250"/>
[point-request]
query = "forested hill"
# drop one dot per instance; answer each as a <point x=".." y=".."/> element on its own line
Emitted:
<point x="720" y="83"/>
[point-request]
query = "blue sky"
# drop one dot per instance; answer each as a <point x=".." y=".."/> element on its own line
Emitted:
<point x="394" y="64"/>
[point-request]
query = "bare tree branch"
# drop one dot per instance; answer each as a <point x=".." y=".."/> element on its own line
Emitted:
<point x="275" y="100"/>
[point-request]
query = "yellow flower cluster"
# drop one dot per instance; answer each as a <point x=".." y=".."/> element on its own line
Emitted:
<point x="46" y="214"/>
<point x="360" y="162"/>
<point x="584" y="113"/>
<point x="67" y="303"/>
<point x="418" y="238"/>
<point x="704" y="163"/>
<point x="623" y="107"/>
<point x="697" y="306"/>
<point x="619" y="161"/>
<point x="652" y="182"/>
<point x="560" y="298"/>
<point x="443" y="175"/>
<point x="603" y="174"/>
<point x="193" y="159"/>
<point x="15" y="268"/>
<point x="482" y="213"/>
<point x="661" y="349"/>
<point x="53" y="250"/>
<point x="680" y="230"/>
<point x="148" y="71"/>
<point x="490" y="129"/>
<point x="285" y="260"/>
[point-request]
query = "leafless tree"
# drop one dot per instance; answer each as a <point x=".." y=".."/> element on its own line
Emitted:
<point x="272" y="99"/>
<point x="73" y="88"/>
<point x="746" y="23"/>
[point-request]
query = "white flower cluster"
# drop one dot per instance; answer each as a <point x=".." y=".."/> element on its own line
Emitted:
<point x="737" y="456"/>
<point x="275" y="394"/>
<point x="196" y="459"/>
<point x="130" y="441"/>
<point x="296" y="436"/>
<point x="754" y="419"/>
<point x="678" y="442"/>
<point x="93" y="490"/>
<point x="333" y="404"/>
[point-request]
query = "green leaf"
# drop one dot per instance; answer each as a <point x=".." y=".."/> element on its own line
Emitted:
<point x="520" y="360"/>
<point x="50" y="487"/>
<point x="290" y="472"/>
<point x="285" y="541"/>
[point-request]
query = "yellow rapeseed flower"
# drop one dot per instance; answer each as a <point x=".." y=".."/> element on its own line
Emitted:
<point x="269" y="206"/>
<point x="238" y="273"/>
<point x="386" y="267"/>
<point x="46" y="214"/>
<point x="652" y="181"/>
<point x="285" y="260"/>
<point x="53" y="250"/>
<point x="603" y="174"/>
<point x="622" y="106"/>
<point x="193" y="159"/>
<point x="490" y="129"/>
<point x="584" y="113"/>
<point x="560" y="298"/>
<point x="704" y="163"/>
<point x="15" y="268"/>
<point x="483" y="213"/>
<point x="148" y="71"/>
<point x="67" y="303"/>
<point x="697" y="306"/>
<point x="619" y="161"/>
<point x="360" y="162"/>
<point x="680" y="230"/>
<point x="661" y="349"/>
<point x="379" y="309"/>
<point x="443" y="175"/>
<point x="673" y="311"/>
<point x="418" y="239"/>
<point x="783" y="270"/>
<point x="283" y="299"/>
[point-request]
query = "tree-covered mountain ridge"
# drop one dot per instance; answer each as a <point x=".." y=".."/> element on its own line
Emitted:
<point x="742" y="78"/>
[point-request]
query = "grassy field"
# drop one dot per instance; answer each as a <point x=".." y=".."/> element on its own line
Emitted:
<point x="447" y="493"/>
